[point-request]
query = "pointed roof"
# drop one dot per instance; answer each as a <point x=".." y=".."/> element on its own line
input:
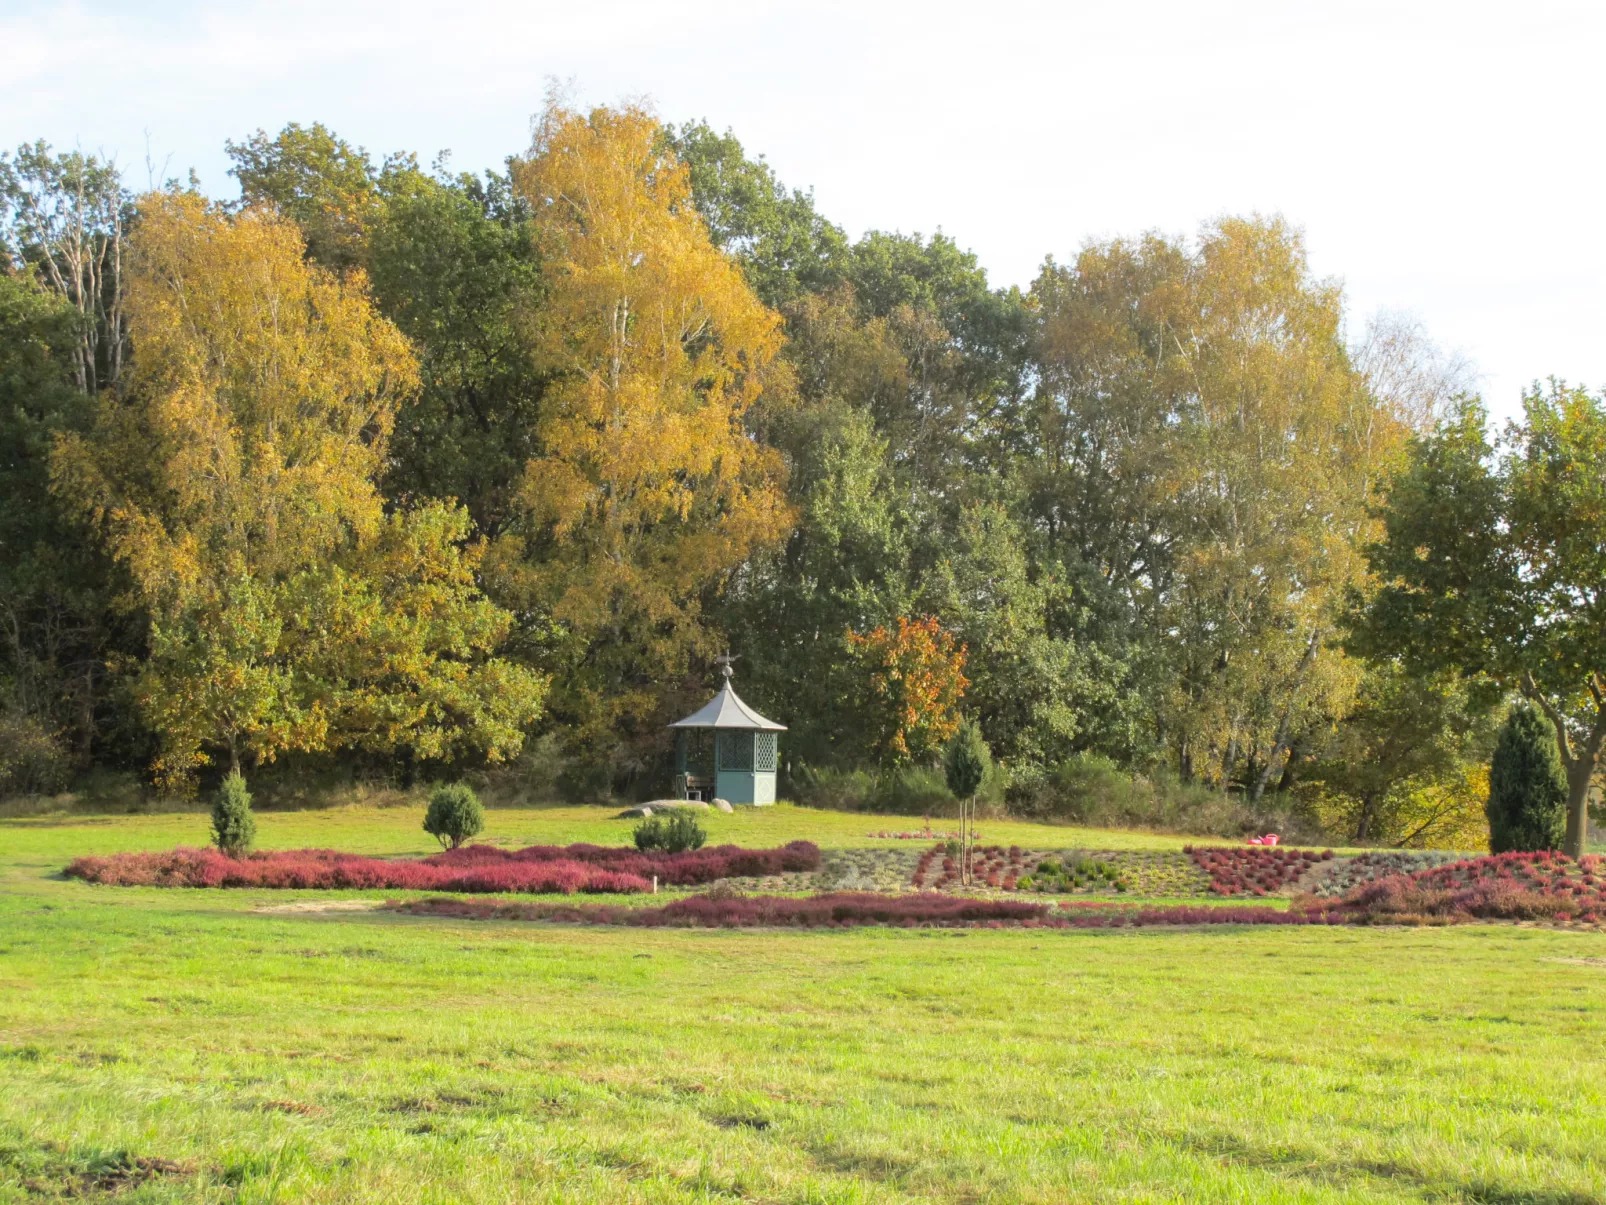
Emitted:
<point x="725" y="710"/>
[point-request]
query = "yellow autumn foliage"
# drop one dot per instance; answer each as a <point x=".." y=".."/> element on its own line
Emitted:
<point x="265" y="389"/>
<point x="235" y="478"/>
<point x="648" y="488"/>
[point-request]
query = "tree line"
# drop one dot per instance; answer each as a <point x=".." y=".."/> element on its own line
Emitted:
<point x="410" y="470"/>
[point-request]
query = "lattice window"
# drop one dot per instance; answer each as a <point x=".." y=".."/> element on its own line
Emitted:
<point x="735" y="750"/>
<point x="764" y="752"/>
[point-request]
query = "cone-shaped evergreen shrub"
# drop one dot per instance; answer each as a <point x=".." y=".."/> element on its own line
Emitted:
<point x="967" y="760"/>
<point x="233" y="825"/>
<point x="1527" y="807"/>
<point x="454" y="814"/>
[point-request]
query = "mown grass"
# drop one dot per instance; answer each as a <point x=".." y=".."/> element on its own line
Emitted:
<point x="374" y="1057"/>
<point x="398" y="830"/>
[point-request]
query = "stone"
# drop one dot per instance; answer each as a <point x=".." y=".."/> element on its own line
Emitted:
<point x="723" y="805"/>
<point x="658" y="805"/>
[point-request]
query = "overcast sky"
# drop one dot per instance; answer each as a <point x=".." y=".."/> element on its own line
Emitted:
<point x="1443" y="158"/>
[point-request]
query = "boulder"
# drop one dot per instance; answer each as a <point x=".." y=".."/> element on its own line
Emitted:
<point x="723" y="805"/>
<point x="659" y="805"/>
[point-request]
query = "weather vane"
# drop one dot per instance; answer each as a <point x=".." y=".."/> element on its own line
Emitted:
<point x="725" y="661"/>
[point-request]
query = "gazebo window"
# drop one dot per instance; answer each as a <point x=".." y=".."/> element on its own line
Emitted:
<point x="736" y="751"/>
<point x="764" y="752"/>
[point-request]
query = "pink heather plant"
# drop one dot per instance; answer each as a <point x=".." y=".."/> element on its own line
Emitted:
<point x="475" y="868"/>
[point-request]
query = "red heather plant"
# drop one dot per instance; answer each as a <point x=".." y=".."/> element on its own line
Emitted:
<point x="833" y="909"/>
<point x="1508" y="886"/>
<point x="685" y="869"/>
<point x="1261" y="869"/>
<point x="323" y="869"/>
<point x="475" y="868"/>
<point x="852" y="909"/>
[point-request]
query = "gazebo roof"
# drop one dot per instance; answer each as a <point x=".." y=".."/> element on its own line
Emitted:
<point x="725" y="710"/>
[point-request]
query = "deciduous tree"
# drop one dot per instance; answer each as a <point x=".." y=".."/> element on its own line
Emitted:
<point x="235" y="479"/>
<point x="648" y="490"/>
<point x="1491" y="563"/>
<point x="911" y="679"/>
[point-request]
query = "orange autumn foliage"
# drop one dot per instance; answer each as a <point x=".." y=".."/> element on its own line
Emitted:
<point x="915" y="678"/>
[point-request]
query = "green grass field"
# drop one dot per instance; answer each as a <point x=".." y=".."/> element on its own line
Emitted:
<point x="283" y="1057"/>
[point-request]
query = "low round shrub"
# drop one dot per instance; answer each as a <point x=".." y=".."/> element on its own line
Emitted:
<point x="454" y="814"/>
<point x="234" y="828"/>
<point x="677" y="833"/>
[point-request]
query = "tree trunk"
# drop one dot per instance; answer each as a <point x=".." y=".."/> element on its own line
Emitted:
<point x="1281" y="743"/>
<point x="1580" y="764"/>
<point x="1579" y="776"/>
<point x="1363" y="824"/>
<point x="970" y="843"/>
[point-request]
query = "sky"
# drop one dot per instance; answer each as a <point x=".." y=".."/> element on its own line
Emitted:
<point x="1443" y="158"/>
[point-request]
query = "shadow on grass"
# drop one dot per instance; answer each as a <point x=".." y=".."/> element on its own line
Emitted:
<point x="1309" y="1165"/>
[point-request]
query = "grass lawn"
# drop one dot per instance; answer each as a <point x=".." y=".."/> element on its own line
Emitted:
<point x="272" y="1056"/>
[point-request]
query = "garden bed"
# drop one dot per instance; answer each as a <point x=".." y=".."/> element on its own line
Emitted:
<point x="539" y="869"/>
<point x="1155" y="873"/>
<point x="843" y="910"/>
<point x="1254" y="869"/>
<point x="1341" y="875"/>
<point x="1511" y="886"/>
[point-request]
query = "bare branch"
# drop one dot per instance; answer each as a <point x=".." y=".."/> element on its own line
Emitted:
<point x="1530" y="690"/>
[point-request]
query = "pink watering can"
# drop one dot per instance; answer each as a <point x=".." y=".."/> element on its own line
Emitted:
<point x="1268" y="839"/>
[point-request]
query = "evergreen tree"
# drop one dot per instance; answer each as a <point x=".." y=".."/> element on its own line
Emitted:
<point x="965" y="765"/>
<point x="1527" y="786"/>
<point x="233" y="826"/>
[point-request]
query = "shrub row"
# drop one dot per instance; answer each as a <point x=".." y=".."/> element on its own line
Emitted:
<point x="539" y="869"/>
<point x="325" y="869"/>
<point x="853" y="909"/>
<point x="730" y="910"/>
<point x="687" y="869"/>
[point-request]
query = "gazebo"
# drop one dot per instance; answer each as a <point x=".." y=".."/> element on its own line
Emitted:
<point x="742" y="750"/>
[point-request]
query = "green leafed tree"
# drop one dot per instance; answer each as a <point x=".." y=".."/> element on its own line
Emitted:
<point x="454" y="265"/>
<point x="1491" y="563"/>
<point x="783" y="244"/>
<point x="329" y="188"/>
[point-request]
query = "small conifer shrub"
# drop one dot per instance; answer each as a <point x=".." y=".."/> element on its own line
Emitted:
<point x="1527" y="806"/>
<point x="676" y="834"/>
<point x="234" y="828"/>
<point x="454" y="814"/>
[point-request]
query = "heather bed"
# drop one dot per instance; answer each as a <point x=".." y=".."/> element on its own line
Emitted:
<point x="536" y="870"/>
<point x="1510" y="887"/>
<point x="846" y="910"/>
